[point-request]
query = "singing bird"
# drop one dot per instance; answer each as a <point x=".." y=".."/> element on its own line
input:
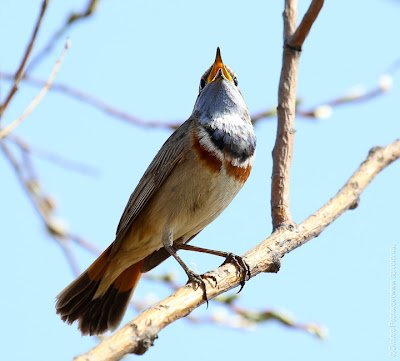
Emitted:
<point x="191" y="180"/>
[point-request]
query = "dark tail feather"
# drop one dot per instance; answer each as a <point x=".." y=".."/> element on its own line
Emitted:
<point x="96" y="316"/>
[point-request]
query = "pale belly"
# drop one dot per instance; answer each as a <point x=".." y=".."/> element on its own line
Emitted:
<point x="190" y="199"/>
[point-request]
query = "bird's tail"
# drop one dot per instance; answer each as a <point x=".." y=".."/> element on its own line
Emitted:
<point x="98" y="313"/>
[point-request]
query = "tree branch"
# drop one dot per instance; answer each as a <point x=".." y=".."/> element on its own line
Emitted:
<point x="98" y="103"/>
<point x="357" y="95"/>
<point x="283" y="149"/>
<point x="8" y="129"/>
<point x="42" y="202"/>
<point x="19" y="74"/>
<point x="139" y="334"/>
<point x="304" y="28"/>
<point x="52" y="157"/>
<point x="73" y="17"/>
<point x="320" y="111"/>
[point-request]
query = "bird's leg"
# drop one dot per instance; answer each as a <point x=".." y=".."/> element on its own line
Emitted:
<point x="193" y="277"/>
<point x="238" y="261"/>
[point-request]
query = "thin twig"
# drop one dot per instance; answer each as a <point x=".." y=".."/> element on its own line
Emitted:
<point x="98" y="103"/>
<point x="29" y="186"/>
<point x="70" y="257"/>
<point x="42" y="203"/>
<point x="304" y="28"/>
<point x="72" y="19"/>
<point x="257" y="317"/>
<point x="139" y="334"/>
<point x="360" y="95"/>
<point x="19" y="73"/>
<point x="269" y="113"/>
<point x="84" y="243"/>
<point x="52" y="157"/>
<point x="6" y="130"/>
<point x="321" y="111"/>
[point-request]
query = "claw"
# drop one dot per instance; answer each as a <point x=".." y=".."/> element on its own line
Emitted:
<point x="242" y="267"/>
<point x="197" y="280"/>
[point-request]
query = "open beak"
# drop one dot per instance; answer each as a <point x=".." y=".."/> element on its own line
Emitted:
<point x="218" y="64"/>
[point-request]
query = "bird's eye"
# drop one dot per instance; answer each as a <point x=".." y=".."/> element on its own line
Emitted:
<point x="235" y="81"/>
<point x="202" y="83"/>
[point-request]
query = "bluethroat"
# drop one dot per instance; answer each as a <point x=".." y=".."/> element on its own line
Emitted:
<point x="192" y="179"/>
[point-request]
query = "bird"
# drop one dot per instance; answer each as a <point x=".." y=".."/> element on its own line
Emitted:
<point x="194" y="176"/>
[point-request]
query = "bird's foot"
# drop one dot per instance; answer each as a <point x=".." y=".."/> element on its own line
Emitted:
<point x="242" y="267"/>
<point x="198" y="281"/>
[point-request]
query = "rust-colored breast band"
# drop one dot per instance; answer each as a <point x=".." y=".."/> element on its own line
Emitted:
<point x="239" y="173"/>
<point x="208" y="159"/>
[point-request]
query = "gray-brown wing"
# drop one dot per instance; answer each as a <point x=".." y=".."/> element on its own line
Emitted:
<point x="170" y="154"/>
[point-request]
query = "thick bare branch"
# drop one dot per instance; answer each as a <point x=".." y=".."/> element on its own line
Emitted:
<point x="236" y="316"/>
<point x="283" y="149"/>
<point x="139" y="334"/>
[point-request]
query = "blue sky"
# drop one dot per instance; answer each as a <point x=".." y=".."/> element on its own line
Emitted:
<point x="147" y="58"/>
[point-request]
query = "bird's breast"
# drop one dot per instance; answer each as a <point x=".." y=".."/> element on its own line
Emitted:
<point x="224" y="153"/>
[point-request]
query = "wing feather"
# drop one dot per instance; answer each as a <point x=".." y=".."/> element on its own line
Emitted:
<point x="170" y="154"/>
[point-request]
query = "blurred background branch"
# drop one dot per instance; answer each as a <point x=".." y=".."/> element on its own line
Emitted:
<point x="73" y="18"/>
<point x="19" y="73"/>
<point x="357" y="94"/>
